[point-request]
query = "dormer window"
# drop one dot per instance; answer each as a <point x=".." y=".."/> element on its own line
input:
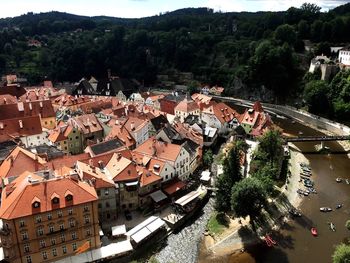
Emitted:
<point x="69" y="197"/>
<point x="55" y="200"/>
<point x="36" y="204"/>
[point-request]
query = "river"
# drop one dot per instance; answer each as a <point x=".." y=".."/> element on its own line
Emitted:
<point x="296" y="244"/>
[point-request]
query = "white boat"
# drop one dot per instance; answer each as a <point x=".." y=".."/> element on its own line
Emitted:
<point x="332" y="227"/>
<point x="338" y="180"/>
<point x="325" y="209"/>
<point x="347" y="181"/>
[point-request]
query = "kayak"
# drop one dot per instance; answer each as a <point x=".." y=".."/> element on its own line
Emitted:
<point x="325" y="209"/>
<point x="314" y="231"/>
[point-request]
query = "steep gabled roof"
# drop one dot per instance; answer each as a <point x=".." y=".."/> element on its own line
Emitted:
<point x="106" y="146"/>
<point x="19" y="161"/>
<point x="18" y="197"/>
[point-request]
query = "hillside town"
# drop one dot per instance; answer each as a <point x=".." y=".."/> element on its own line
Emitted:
<point x="94" y="173"/>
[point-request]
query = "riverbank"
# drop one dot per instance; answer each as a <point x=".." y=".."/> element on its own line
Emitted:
<point x="238" y="236"/>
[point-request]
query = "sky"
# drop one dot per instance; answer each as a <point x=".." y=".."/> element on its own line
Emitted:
<point x="142" y="8"/>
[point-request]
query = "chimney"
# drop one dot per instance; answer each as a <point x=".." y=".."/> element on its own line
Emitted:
<point x="154" y="153"/>
<point x="41" y="104"/>
<point x="91" y="163"/>
<point x="132" y="126"/>
<point x="119" y="155"/>
<point x="29" y="178"/>
<point x="1" y="126"/>
<point x="100" y="164"/>
<point x="20" y="124"/>
<point x="5" y="100"/>
<point x="30" y="106"/>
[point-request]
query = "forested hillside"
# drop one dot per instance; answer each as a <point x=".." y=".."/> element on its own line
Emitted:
<point x="240" y="51"/>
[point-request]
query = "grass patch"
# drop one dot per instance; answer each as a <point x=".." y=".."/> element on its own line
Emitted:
<point x="217" y="223"/>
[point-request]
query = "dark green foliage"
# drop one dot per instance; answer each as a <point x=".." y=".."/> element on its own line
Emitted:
<point x="230" y="176"/>
<point x="341" y="254"/>
<point x="316" y="98"/>
<point x="248" y="198"/>
<point x="208" y="158"/>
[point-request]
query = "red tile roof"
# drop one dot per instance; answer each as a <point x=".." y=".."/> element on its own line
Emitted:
<point x="18" y="127"/>
<point x="7" y="99"/>
<point x="173" y="187"/>
<point x="18" y="198"/>
<point x="94" y="174"/>
<point x="147" y="177"/>
<point x="23" y="109"/>
<point x="162" y="150"/>
<point x="187" y="105"/>
<point x="119" y="131"/>
<point x="87" y="123"/>
<point x="122" y="169"/>
<point x="223" y="112"/>
<point x="19" y="161"/>
<point x="67" y="160"/>
<point x="186" y="131"/>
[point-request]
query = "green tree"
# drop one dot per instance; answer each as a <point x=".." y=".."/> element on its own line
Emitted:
<point x="224" y="183"/>
<point x="265" y="175"/>
<point x="248" y="198"/>
<point x="303" y="30"/>
<point x="285" y="33"/>
<point x="208" y="157"/>
<point x="341" y="254"/>
<point x="315" y="95"/>
<point x="347" y="224"/>
<point x="270" y="143"/>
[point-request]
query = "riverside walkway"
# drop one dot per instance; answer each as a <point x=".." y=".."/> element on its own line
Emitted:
<point x="317" y="138"/>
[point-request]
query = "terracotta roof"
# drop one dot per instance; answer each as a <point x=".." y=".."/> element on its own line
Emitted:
<point x="67" y="160"/>
<point x="223" y="112"/>
<point x="19" y="203"/>
<point x="39" y="93"/>
<point x="60" y="133"/>
<point x="162" y="150"/>
<point x="18" y="127"/>
<point x="187" y="105"/>
<point x="173" y="187"/>
<point x="23" y="109"/>
<point x="147" y="177"/>
<point x="186" y="131"/>
<point x="19" y="161"/>
<point x="87" y="123"/>
<point x="134" y="124"/>
<point x="7" y="99"/>
<point x="119" y="131"/>
<point x="94" y="174"/>
<point x="257" y="106"/>
<point x="69" y="100"/>
<point x="201" y="98"/>
<point x="122" y="169"/>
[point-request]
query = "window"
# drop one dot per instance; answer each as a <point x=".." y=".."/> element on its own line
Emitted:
<point x="36" y="204"/>
<point x="59" y="213"/>
<point x="86" y="208"/>
<point x="69" y="197"/>
<point x="70" y="212"/>
<point x="107" y="204"/>
<point x="40" y="231"/>
<point x="26" y="248"/>
<point x="74" y="246"/>
<point x="38" y="219"/>
<point x="87" y="218"/>
<point x="42" y="243"/>
<point x="53" y="241"/>
<point x="44" y="254"/>
<point x="74" y="235"/>
<point x="24" y="236"/>
<point x="71" y="222"/>
<point x="51" y="229"/>
<point x="54" y="252"/>
<point x="106" y="192"/>
<point x="29" y="259"/>
<point x="55" y="200"/>
<point x="98" y="192"/>
<point x="21" y="223"/>
<point x="49" y="216"/>
<point x="88" y="232"/>
<point x="62" y="226"/>
<point x="63" y="238"/>
<point x="99" y="205"/>
<point x="64" y="250"/>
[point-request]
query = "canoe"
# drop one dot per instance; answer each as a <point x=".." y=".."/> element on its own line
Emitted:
<point x="325" y="209"/>
<point x="314" y="231"/>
